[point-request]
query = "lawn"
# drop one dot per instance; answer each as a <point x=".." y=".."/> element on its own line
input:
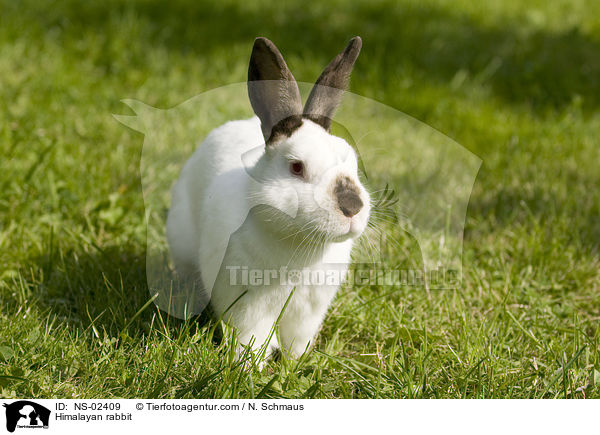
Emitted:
<point x="516" y="84"/>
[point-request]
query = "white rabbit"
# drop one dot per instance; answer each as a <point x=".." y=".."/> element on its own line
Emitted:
<point x="266" y="196"/>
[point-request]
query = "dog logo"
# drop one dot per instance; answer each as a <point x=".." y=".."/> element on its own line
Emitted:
<point x="26" y="414"/>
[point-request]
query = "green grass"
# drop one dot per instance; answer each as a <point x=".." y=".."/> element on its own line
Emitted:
<point x="515" y="84"/>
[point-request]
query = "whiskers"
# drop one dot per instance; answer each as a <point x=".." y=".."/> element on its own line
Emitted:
<point x="311" y="245"/>
<point x="307" y="240"/>
<point x="380" y="230"/>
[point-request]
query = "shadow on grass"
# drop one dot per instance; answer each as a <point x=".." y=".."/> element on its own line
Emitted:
<point x="563" y="209"/>
<point x="520" y="64"/>
<point x="104" y="290"/>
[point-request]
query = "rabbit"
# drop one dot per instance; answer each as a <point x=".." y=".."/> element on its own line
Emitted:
<point x="273" y="193"/>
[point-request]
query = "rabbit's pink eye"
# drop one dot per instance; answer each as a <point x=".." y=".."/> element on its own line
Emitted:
<point x="297" y="168"/>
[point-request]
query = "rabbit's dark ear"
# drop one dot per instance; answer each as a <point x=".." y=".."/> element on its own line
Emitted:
<point x="272" y="89"/>
<point x="331" y="84"/>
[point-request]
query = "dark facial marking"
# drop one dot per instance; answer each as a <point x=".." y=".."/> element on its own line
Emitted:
<point x="285" y="127"/>
<point x="321" y="120"/>
<point x="348" y="196"/>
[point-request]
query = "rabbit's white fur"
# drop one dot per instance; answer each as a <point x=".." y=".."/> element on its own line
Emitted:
<point x="213" y="187"/>
<point x="304" y="231"/>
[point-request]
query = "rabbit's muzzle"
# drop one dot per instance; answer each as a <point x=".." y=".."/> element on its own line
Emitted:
<point x="348" y="196"/>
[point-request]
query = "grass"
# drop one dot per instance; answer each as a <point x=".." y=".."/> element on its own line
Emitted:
<point x="515" y="84"/>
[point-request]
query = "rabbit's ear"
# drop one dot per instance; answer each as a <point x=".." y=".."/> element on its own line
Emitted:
<point x="272" y="89"/>
<point x="331" y="84"/>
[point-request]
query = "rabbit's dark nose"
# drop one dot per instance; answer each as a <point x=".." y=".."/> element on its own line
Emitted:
<point x="348" y="197"/>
